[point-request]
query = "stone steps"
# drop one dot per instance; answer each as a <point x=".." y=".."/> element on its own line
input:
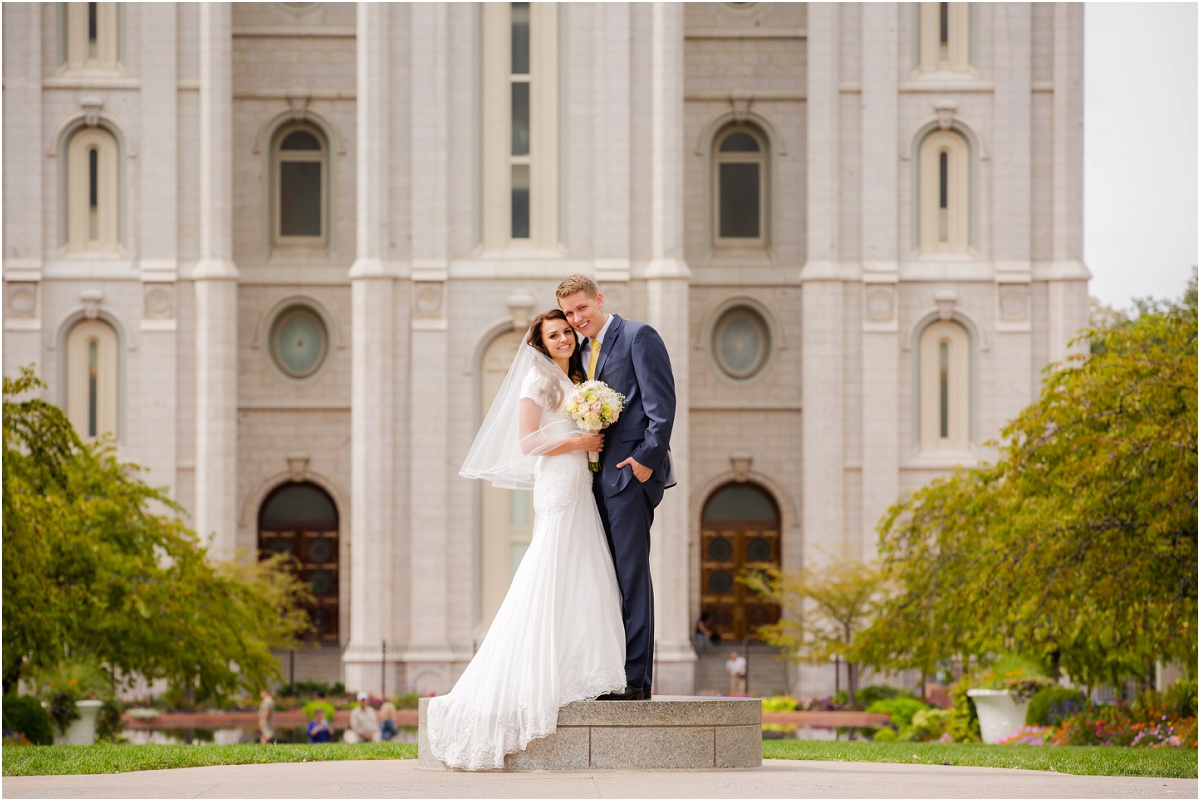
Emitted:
<point x="766" y="674"/>
<point x="666" y="732"/>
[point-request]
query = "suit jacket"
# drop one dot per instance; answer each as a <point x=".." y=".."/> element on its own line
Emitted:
<point x="633" y="361"/>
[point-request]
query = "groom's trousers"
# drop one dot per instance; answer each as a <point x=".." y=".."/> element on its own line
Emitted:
<point x="627" y="517"/>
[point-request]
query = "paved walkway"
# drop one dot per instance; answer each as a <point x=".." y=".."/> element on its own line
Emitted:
<point x="775" y="779"/>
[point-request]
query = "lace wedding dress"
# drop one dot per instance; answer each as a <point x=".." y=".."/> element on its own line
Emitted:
<point x="558" y="636"/>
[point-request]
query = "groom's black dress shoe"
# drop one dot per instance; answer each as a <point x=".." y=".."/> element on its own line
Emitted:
<point x="628" y="694"/>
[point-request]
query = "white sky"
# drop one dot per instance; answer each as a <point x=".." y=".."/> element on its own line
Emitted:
<point x="1139" y="149"/>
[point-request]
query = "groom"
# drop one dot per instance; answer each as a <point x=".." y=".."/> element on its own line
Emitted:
<point x="635" y="465"/>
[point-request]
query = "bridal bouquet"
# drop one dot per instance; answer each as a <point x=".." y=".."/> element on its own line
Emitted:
<point x="594" y="406"/>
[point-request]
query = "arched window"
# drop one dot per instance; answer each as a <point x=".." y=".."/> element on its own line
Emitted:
<point x="944" y="389"/>
<point x="944" y="187"/>
<point x="93" y="379"/>
<point x="740" y="186"/>
<point x="91" y="39"/>
<point x="92" y="191"/>
<point x="945" y="36"/>
<point x="302" y="520"/>
<point x="506" y="515"/>
<point x="300" y="186"/>
<point x="739" y="532"/>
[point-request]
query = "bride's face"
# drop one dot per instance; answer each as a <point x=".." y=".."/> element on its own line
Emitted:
<point x="559" y="338"/>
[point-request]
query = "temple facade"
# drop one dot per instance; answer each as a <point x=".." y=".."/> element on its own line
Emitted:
<point x="283" y="253"/>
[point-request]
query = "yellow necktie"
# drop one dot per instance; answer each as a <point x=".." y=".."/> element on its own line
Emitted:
<point x="595" y="356"/>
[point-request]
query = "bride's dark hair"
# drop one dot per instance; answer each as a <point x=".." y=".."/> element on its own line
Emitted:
<point x="575" y="364"/>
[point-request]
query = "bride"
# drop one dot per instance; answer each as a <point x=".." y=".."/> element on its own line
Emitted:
<point x="558" y="636"/>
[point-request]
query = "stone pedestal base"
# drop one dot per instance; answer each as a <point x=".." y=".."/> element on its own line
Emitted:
<point x="666" y="732"/>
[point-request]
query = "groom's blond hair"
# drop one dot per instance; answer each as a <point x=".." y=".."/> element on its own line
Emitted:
<point x="577" y="283"/>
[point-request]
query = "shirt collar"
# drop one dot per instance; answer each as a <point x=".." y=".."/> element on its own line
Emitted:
<point x="600" y="337"/>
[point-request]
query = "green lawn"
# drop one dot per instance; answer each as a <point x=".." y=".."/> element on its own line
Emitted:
<point x="58" y="760"/>
<point x="1094" y="761"/>
<point x="1172" y="763"/>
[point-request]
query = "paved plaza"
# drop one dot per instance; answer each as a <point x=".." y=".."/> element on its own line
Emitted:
<point x="775" y="779"/>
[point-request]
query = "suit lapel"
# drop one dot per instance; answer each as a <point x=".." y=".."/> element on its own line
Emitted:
<point x="614" y="331"/>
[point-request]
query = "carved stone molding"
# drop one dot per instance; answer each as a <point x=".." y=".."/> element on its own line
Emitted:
<point x="428" y="299"/>
<point x="91" y="302"/>
<point x="298" y="98"/>
<point x="881" y="303"/>
<point x="741" y="100"/>
<point x="297" y="466"/>
<point x="945" y="109"/>
<point x="945" y="300"/>
<point x="158" y="301"/>
<point x="740" y="464"/>
<point x="91" y="105"/>
<point x="22" y="299"/>
<point x="1014" y="303"/>
<point x="519" y="304"/>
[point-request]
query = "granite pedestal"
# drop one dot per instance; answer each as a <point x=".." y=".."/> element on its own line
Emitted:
<point x="663" y="733"/>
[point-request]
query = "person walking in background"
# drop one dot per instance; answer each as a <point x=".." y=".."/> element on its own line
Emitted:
<point x="266" y="717"/>
<point x="704" y="635"/>
<point x="736" y="668"/>
<point x="319" y="730"/>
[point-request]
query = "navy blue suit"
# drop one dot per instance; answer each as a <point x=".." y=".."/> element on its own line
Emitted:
<point x="633" y="360"/>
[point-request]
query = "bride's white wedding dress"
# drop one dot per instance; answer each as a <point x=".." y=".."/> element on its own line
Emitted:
<point x="558" y="636"/>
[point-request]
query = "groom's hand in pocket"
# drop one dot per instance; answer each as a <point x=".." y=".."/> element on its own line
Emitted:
<point x="640" y="472"/>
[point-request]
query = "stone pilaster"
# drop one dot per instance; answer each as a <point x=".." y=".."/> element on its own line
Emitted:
<point x="1067" y="309"/>
<point x="376" y="473"/>
<point x="23" y="160"/>
<point x="667" y="278"/>
<point x="880" y="252"/>
<point x="216" y="280"/>
<point x="157" y="429"/>
<point x="432" y="626"/>
<point x="823" y="347"/>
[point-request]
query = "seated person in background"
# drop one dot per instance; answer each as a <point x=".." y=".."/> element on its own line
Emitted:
<point x="363" y="722"/>
<point x="387" y="721"/>
<point x="319" y="730"/>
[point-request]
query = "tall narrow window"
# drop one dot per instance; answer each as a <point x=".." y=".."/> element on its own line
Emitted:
<point x="92" y="31"/>
<point x="300" y="191"/>
<point x="944" y="194"/>
<point x="92" y="379"/>
<point x="945" y="37"/>
<point x="520" y="173"/>
<point x="944" y="387"/>
<point x="92" y="191"/>
<point x="739" y="186"/>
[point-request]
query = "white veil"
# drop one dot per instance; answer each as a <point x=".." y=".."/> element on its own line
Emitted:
<point x="499" y="454"/>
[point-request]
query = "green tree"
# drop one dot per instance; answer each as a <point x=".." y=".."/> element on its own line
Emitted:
<point x="1080" y="540"/>
<point x="97" y="563"/>
<point x="824" y="610"/>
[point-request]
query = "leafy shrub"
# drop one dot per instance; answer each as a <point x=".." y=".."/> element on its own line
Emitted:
<point x="313" y="689"/>
<point x="311" y="708"/>
<point x="1180" y="697"/>
<point x="837" y="703"/>
<point x="901" y="710"/>
<point x="886" y="735"/>
<point x="406" y="700"/>
<point x="1051" y="705"/>
<point x="879" y="692"/>
<point x="928" y="724"/>
<point x="24" y="714"/>
<point x="964" y="720"/>
<point x="109" y="726"/>
<point x="779" y="703"/>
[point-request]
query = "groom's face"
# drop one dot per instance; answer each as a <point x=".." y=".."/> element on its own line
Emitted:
<point x="584" y="312"/>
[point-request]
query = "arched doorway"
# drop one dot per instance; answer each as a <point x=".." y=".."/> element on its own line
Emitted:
<point x="301" y="519"/>
<point x="739" y="531"/>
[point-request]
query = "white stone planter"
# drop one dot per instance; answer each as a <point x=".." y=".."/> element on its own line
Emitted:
<point x="83" y="730"/>
<point x="999" y="715"/>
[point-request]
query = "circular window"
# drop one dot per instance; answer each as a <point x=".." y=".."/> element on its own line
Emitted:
<point x="320" y="582"/>
<point x="741" y="342"/>
<point x="759" y="550"/>
<point x="299" y="341"/>
<point x="319" y="551"/>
